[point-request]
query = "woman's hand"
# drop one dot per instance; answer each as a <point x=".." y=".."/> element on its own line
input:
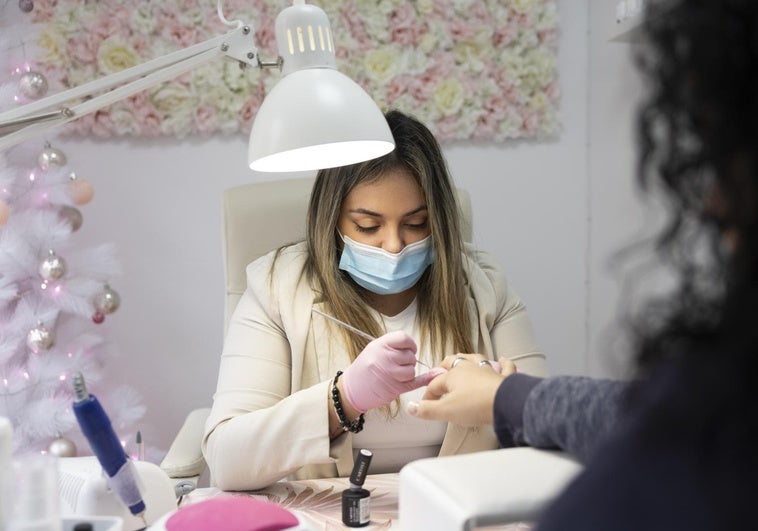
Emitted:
<point x="465" y="394"/>
<point x="384" y="370"/>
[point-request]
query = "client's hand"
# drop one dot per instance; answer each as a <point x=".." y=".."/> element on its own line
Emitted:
<point x="465" y="394"/>
<point x="384" y="370"/>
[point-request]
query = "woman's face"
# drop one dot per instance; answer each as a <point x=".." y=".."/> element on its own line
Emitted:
<point x="389" y="212"/>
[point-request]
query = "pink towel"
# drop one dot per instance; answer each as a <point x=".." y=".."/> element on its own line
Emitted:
<point x="231" y="513"/>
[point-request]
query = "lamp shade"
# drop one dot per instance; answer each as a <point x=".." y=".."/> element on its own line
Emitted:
<point x="314" y="117"/>
<point x="317" y="118"/>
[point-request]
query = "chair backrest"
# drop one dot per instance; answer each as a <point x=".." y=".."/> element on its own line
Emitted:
<point x="259" y="217"/>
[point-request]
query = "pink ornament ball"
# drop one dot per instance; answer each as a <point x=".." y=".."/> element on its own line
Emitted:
<point x="98" y="318"/>
<point x="5" y="212"/>
<point x="80" y="191"/>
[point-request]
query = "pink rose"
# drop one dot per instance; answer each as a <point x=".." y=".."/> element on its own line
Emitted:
<point x="205" y="119"/>
<point x="396" y="88"/>
<point x="404" y="26"/>
<point x="149" y="121"/>
<point x="43" y="10"/>
<point x="461" y="30"/>
<point x="83" y="48"/>
<point x="102" y="125"/>
<point x="180" y="34"/>
<point x="110" y="25"/>
<point x="250" y="109"/>
<point x="503" y="36"/>
<point x="548" y="37"/>
<point x="531" y="122"/>
<point x="446" y="128"/>
<point x="355" y="24"/>
<point x="265" y="36"/>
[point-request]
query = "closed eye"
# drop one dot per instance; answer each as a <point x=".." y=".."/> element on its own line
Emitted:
<point x="366" y="230"/>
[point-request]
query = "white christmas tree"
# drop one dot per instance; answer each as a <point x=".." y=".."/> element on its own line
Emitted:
<point x="53" y="294"/>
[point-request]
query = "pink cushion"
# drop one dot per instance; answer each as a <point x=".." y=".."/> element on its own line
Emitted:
<point x="231" y="513"/>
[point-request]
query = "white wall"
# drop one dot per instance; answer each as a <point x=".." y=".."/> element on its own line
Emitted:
<point x="540" y="207"/>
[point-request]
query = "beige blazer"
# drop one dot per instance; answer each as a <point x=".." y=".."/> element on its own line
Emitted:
<point x="269" y="417"/>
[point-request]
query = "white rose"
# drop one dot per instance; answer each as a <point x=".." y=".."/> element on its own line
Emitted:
<point x="377" y="8"/>
<point x="54" y="45"/>
<point x="114" y="55"/>
<point x="522" y="6"/>
<point x="81" y="75"/>
<point x="416" y="61"/>
<point x="72" y="18"/>
<point x="235" y="78"/>
<point x="381" y="64"/>
<point x="548" y="17"/>
<point x="174" y="99"/>
<point x="448" y="96"/>
<point x="123" y="121"/>
<point x="462" y="6"/>
<point x="143" y="19"/>
<point x="425" y="7"/>
<point x="539" y="68"/>
<point x="539" y="102"/>
<point x="510" y="127"/>
<point x="177" y="124"/>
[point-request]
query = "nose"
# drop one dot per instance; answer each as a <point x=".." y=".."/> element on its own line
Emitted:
<point x="393" y="242"/>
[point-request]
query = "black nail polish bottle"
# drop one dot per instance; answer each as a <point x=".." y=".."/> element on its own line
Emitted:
<point x="355" y="500"/>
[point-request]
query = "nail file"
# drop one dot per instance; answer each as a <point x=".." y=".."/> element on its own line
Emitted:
<point x="355" y="330"/>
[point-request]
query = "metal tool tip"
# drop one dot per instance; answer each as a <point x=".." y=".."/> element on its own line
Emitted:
<point x="80" y="389"/>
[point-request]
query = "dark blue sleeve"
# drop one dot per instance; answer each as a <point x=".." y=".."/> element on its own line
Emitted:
<point x="571" y="413"/>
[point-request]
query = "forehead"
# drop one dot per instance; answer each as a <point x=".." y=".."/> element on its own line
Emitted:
<point x="396" y="189"/>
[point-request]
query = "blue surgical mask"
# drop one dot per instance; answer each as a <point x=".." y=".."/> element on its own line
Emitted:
<point x="382" y="272"/>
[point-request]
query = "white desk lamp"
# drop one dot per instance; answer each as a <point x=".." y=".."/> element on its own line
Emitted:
<point x="314" y="117"/>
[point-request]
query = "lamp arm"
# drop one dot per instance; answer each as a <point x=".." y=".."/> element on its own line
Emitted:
<point x="236" y="44"/>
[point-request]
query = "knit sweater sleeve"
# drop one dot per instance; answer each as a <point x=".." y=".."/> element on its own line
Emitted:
<point x="570" y="413"/>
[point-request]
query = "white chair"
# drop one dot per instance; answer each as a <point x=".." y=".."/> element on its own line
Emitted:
<point x="258" y="218"/>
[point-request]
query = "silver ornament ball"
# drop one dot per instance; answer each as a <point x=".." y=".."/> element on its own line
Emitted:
<point x="32" y="85"/>
<point x="51" y="156"/>
<point x="26" y="5"/>
<point x="108" y="301"/>
<point x="39" y="339"/>
<point x="53" y="267"/>
<point x="72" y="215"/>
<point x="62" y="447"/>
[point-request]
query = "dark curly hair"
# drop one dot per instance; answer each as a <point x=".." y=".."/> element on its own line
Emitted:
<point x="698" y="143"/>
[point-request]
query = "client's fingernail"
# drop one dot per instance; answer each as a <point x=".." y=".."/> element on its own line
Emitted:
<point x="437" y="371"/>
<point x="412" y="408"/>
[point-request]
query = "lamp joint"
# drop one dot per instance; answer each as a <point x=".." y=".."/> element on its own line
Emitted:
<point x="271" y="64"/>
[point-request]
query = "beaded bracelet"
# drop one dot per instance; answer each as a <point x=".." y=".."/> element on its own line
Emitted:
<point x="356" y="425"/>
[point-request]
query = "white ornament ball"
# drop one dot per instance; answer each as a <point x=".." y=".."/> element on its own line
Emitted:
<point x="108" y="301"/>
<point x="32" y="85"/>
<point x="39" y="338"/>
<point x="53" y="267"/>
<point x="51" y="156"/>
<point x="62" y="447"/>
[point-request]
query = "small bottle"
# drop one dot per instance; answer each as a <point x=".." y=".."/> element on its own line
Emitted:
<point x="355" y="500"/>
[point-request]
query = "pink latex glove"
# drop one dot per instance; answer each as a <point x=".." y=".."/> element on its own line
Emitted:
<point x="384" y="370"/>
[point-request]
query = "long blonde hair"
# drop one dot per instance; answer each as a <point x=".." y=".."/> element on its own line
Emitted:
<point x="443" y="317"/>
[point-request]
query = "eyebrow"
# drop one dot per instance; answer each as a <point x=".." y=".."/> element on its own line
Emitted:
<point x="378" y="215"/>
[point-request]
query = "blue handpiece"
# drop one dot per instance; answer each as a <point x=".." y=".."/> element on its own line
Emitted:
<point x="97" y="428"/>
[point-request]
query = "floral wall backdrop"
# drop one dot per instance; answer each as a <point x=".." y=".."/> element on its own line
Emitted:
<point x="470" y="69"/>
